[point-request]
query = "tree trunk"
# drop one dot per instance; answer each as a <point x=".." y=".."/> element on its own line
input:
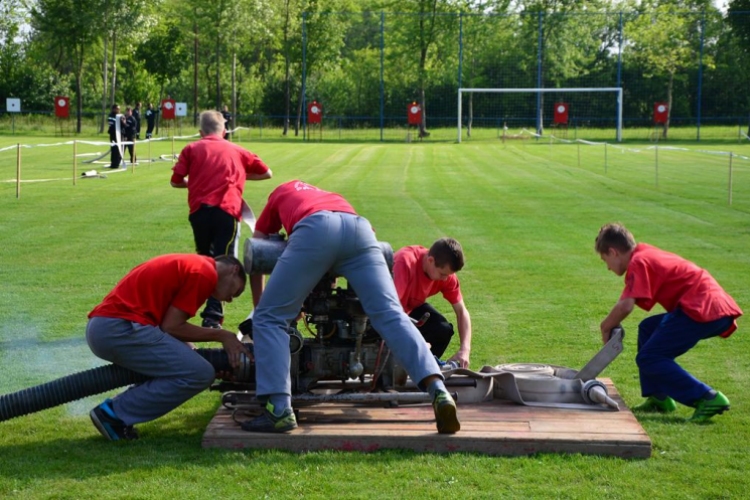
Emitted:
<point x="234" y="88"/>
<point x="218" y="71"/>
<point x="287" y="85"/>
<point x="104" y="85"/>
<point x="114" y="65"/>
<point x="669" y="105"/>
<point x="298" y="121"/>
<point x="79" y="97"/>
<point x="195" y="72"/>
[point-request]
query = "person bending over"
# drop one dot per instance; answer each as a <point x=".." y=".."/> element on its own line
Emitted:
<point x="327" y="235"/>
<point x="142" y="325"/>
<point x="697" y="308"/>
<point x="420" y="273"/>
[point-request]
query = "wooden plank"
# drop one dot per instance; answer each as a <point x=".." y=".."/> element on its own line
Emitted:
<point x="495" y="428"/>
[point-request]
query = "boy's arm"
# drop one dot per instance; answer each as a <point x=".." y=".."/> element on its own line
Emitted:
<point x="463" y="319"/>
<point x="619" y="312"/>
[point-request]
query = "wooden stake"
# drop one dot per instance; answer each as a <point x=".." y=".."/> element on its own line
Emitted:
<point x="18" y="171"/>
<point x="730" y="178"/>
<point x="75" y="161"/>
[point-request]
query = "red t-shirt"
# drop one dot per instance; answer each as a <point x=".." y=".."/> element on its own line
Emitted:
<point x="293" y="201"/>
<point x="414" y="286"/>
<point x="658" y="277"/>
<point x="184" y="281"/>
<point x="217" y="170"/>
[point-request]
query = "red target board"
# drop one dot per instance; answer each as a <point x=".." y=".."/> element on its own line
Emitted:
<point x="414" y="114"/>
<point x="314" y="112"/>
<point x="168" y="107"/>
<point x="561" y="113"/>
<point x="62" y="106"/>
<point x="661" y="112"/>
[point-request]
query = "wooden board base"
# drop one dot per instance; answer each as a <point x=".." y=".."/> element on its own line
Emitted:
<point x="493" y="428"/>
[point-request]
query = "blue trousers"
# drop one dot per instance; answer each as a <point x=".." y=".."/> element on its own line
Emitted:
<point x="345" y="244"/>
<point x="179" y="372"/>
<point x="661" y="339"/>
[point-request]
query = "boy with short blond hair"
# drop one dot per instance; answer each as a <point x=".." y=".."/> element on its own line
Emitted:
<point x="697" y="309"/>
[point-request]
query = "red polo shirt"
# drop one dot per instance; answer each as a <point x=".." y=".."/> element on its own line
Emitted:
<point x="293" y="201"/>
<point x="658" y="277"/>
<point x="217" y="170"/>
<point x="414" y="286"/>
<point x="145" y="293"/>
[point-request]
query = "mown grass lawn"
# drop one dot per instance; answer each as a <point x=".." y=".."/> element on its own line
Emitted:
<point x="526" y="213"/>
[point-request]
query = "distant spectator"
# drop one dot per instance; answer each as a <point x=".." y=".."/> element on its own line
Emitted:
<point x="137" y="116"/>
<point x="116" y="123"/>
<point x="150" y="120"/>
<point x="227" y="121"/>
<point x="131" y="125"/>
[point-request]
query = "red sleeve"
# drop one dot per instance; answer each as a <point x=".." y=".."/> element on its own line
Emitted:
<point x="638" y="285"/>
<point x="253" y="164"/>
<point x="401" y="280"/>
<point x="192" y="294"/>
<point x="269" y="220"/>
<point x="452" y="290"/>
<point x="181" y="167"/>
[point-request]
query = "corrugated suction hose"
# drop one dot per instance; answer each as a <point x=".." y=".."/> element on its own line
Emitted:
<point x="91" y="382"/>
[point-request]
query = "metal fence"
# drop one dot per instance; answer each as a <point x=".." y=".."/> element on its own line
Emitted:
<point x="365" y="69"/>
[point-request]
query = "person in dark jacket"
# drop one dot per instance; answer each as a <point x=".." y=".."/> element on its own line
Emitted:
<point x="116" y="124"/>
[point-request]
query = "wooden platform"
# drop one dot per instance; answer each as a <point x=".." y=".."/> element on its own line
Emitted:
<point x="493" y="428"/>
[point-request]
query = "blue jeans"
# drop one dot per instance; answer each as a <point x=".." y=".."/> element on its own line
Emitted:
<point x="661" y="339"/>
<point x="345" y="244"/>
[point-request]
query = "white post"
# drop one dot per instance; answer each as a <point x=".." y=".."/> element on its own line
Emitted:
<point x="730" y="177"/>
<point x="459" y="116"/>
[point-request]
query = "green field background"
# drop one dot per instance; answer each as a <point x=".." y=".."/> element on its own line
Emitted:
<point x="526" y="212"/>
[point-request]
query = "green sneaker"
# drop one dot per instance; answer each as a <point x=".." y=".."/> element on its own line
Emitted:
<point x="655" y="405"/>
<point x="446" y="414"/>
<point x="706" y="408"/>
<point x="268" y="421"/>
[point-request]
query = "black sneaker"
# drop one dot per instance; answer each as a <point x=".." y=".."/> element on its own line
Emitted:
<point x="109" y="425"/>
<point x="269" y="422"/>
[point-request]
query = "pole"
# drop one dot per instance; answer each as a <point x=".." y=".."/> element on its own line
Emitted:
<point x="150" y="159"/>
<point x="18" y="170"/>
<point x="75" y="160"/>
<point x="729" y="189"/>
<point x="579" y="154"/>
<point x="656" y="165"/>
<point x="172" y="150"/>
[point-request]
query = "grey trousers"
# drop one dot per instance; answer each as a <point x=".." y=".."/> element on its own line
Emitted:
<point x="179" y="372"/>
<point x="345" y="244"/>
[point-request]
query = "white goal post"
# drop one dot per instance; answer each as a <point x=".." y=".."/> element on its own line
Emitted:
<point x="617" y="90"/>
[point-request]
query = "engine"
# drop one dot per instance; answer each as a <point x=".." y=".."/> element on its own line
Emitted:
<point x="333" y="341"/>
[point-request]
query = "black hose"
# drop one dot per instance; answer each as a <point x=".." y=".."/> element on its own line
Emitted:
<point x="87" y="383"/>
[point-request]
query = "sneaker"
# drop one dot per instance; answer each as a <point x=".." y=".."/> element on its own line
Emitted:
<point x="109" y="425"/>
<point x="656" y="405"/>
<point x="269" y="422"/>
<point x="710" y="405"/>
<point x="446" y="414"/>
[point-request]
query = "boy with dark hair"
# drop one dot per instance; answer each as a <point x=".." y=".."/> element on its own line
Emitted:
<point x="420" y="273"/>
<point x="130" y="131"/>
<point x="142" y="325"/>
<point x="697" y="309"/>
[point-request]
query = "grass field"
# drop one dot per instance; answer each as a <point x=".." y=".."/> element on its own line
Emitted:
<point x="526" y="213"/>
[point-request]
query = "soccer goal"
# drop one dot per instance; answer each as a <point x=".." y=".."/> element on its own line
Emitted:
<point x="593" y="107"/>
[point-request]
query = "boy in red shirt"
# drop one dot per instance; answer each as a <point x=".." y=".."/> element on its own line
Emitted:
<point x="217" y="171"/>
<point x="420" y="273"/>
<point x="697" y="309"/>
<point x="142" y="325"/>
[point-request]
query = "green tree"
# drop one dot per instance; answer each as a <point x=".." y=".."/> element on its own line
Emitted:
<point x="68" y="28"/>
<point x="739" y="19"/>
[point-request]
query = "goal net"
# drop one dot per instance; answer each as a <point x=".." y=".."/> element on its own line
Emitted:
<point x="593" y="113"/>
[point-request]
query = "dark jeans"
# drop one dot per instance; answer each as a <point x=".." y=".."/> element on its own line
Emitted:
<point x="116" y="157"/>
<point x="661" y="339"/>
<point x="216" y="233"/>
<point x="437" y="330"/>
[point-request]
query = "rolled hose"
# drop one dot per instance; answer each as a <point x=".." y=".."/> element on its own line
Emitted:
<point x="88" y="383"/>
